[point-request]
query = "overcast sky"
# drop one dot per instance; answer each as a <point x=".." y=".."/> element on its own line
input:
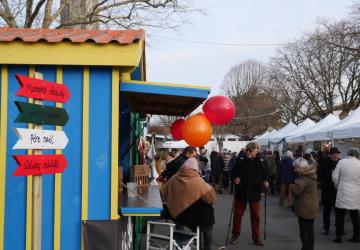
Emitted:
<point x="232" y="21"/>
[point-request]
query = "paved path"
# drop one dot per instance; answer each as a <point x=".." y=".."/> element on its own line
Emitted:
<point x="282" y="228"/>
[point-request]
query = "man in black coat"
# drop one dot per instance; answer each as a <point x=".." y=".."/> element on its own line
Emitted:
<point x="328" y="191"/>
<point x="249" y="178"/>
<point x="217" y="167"/>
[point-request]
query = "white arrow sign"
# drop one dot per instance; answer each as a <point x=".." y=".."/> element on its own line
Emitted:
<point x="40" y="139"/>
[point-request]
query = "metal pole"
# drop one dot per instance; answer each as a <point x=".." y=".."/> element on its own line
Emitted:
<point x="231" y="216"/>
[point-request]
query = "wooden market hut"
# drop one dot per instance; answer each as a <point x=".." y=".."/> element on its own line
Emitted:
<point x="104" y="71"/>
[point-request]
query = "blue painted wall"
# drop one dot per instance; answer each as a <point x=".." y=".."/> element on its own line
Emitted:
<point x="15" y="190"/>
<point x="100" y="143"/>
<point x="71" y="178"/>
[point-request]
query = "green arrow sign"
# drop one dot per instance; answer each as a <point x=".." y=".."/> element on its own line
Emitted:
<point x="41" y="114"/>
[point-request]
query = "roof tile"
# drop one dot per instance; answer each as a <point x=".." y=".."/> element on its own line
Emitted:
<point x="74" y="35"/>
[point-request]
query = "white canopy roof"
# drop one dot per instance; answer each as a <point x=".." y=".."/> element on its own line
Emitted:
<point x="263" y="139"/>
<point x="303" y="127"/>
<point x="263" y="135"/>
<point x="318" y="133"/>
<point x="348" y="128"/>
<point x="314" y="133"/>
<point x="283" y="132"/>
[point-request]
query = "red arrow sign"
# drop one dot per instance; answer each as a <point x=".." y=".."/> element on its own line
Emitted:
<point x="41" y="89"/>
<point x="39" y="164"/>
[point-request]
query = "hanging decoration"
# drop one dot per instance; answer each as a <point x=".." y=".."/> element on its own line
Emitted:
<point x="176" y="129"/>
<point x="197" y="130"/>
<point x="220" y="110"/>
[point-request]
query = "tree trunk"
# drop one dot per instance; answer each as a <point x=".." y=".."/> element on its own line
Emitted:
<point x="75" y="9"/>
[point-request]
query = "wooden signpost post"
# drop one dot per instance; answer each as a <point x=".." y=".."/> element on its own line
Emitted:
<point x="38" y="139"/>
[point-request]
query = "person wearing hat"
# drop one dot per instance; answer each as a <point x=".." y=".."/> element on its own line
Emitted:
<point x="249" y="178"/>
<point x="328" y="191"/>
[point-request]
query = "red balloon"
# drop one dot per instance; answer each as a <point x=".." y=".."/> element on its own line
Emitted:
<point x="219" y="110"/>
<point x="176" y="129"/>
<point x="197" y="130"/>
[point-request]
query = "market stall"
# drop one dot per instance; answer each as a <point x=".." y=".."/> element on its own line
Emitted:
<point x="103" y="74"/>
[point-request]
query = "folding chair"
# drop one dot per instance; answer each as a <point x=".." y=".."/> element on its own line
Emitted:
<point x="174" y="240"/>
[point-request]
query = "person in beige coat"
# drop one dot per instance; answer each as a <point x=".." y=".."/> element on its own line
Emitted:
<point x="189" y="200"/>
<point x="305" y="200"/>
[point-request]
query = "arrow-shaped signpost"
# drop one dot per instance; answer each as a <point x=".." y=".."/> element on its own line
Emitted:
<point x="41" y="114"/>
<point x="42" y="90"/>
<point x="39" y="139"/>
<point x="39" y="164"/>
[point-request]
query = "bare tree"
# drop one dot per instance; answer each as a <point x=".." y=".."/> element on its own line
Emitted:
<point x="127" y="14"/>
<point x="314" y="77"/>
<point x="165" y="122"/>
<point x="246" y="85"/>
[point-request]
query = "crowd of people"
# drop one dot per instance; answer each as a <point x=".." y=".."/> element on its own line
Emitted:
<point x="192" y="179"/>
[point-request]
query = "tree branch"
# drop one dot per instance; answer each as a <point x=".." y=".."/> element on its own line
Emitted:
<point x="29" y="5"/>
<point x="47" y="20"/>
<point x="35" y="13"/>
<point x="7" y="15"/>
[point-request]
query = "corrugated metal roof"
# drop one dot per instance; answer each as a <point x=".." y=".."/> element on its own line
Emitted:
<point x="73" y="35"/>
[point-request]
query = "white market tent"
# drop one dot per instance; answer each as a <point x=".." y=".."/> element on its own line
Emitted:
<point x="314" y="133"/>
<point x="349" y="128"/>
<point x="319" y="133"/>
<point x="263" y="139"/>
<point x="323" y="134"/>
<point x="282" y="133"/>
<point x="302" y="128"/>
<point x="263" y="135"/>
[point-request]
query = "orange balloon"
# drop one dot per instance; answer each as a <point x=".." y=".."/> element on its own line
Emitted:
<point x="197" y="130"/>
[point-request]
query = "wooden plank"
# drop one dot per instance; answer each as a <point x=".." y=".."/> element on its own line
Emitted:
<point x="39" y="164"/>
<point x="37" y="195"/>
<point x="29" y="186"/>
<point x="40" y="139"/>
<point x="3" y="148"/>
<point x="114" y="142"/>
<point x="85" y="149"/>
<point x="41" y="114"/>
<point x="42" y="90"/>
<point x="58" y="180"/>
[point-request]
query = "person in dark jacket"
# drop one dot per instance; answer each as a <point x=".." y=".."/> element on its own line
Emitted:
<point x="174" y="166"/>
<point x="189" y="200"/>
<point x="232" y="162"/>
<point x="271" y="171"/>
<point x="277" y="162"/>
<point x="287" y="177"/>
<point x="217" y="167"/>
<point x="249" y="178"/>
<point x="328" y="190"/>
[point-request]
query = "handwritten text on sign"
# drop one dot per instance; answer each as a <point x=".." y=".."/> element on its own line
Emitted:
<point x="41" y="89"/>
<point x="40" y="139"/>
<point x="39" y="164"/>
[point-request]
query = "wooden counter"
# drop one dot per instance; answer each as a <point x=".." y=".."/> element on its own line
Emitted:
<point x="147" y="203"/>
